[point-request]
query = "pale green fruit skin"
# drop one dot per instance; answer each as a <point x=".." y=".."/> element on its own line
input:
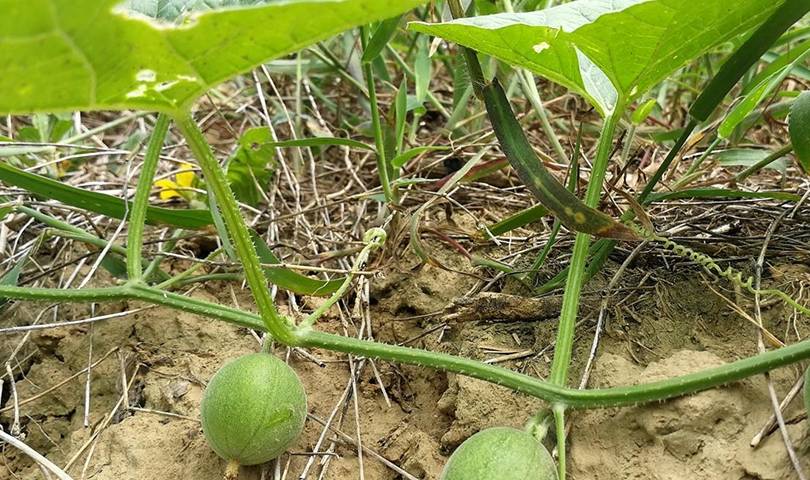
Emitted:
<point x="253" y="409"/>
<point x="500" y="453"/>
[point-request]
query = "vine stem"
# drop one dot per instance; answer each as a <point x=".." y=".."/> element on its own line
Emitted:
<point x="278" y="325"/>
<point x="576" y="269"/>
<point x="573" y="287"/>
<point x="559" y="396"/>
<point x="137" y="217"/>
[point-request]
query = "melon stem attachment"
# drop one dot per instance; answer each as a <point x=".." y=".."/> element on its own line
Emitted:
<point x="539" y="424"/>
<point x="559" y="423"/>
<point x="231" y="470"/>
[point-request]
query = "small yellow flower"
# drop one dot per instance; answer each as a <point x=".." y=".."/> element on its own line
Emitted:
<point x="186" y="176"/>
<point x="179" y="187"/>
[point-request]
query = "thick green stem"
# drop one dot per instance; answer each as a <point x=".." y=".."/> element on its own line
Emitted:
<point x="576" y="275"/>
<point x="199" y="307"/>
<point x="576" y="269"/>
<point x="277" y="325"/>
<point x="558" y="395"/>
<point x="65" y="295"/>
<point x="137" y="216"/>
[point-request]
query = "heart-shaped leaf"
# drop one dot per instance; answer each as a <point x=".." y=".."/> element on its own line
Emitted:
<point x="86" y="55"/>
<point x="609" y="51"/>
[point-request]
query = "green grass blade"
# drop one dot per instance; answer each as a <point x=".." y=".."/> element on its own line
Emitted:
<point x="777" y="62"/>
<point x="99" y="202"/>
<point x="761" y="91"/>
<point x="722" y="193"/>
<point x="383" y="34"/>
<point x="519" y="219"/>
<point x="400" y="160"/>
<point x="321" y="142"/>
<point x="746" y="56"/>
<point x="288" y="279"/>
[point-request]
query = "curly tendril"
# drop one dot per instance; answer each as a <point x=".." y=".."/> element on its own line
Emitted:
<point x="730" y="273"/>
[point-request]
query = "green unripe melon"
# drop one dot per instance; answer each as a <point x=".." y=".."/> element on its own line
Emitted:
<point x="253" y="409"/>
<point x="500" y="453"/>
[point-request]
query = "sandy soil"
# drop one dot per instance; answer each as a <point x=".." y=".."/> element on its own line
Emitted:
<point x="409" y="416"/>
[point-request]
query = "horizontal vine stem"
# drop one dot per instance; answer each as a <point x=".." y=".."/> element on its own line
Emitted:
<point x="66" y="295"/>
<point x="569" y="397"/>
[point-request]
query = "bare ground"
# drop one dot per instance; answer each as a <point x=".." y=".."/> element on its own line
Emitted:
<point x="409" y="416"/>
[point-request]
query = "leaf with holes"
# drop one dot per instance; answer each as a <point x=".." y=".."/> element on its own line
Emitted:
<point x="62" y="55"/>
<point x="609" y="51"/>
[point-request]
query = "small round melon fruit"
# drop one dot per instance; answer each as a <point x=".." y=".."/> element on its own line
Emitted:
<point x="252" y="410"/>
<point x="500" y="453"/>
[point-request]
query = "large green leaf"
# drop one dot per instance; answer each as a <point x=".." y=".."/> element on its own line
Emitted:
<point x="609" y="51"/>
<point x="86" y="55"/>
<point x="177" y="10"/>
